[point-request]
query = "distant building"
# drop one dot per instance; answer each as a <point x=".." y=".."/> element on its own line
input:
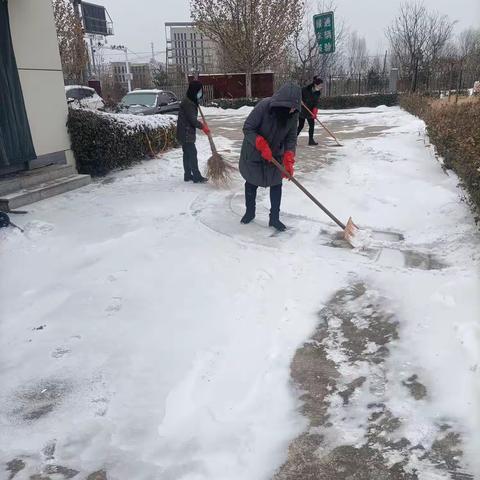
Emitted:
<point x="141" y="74"/>
<point x="189" y="50"/>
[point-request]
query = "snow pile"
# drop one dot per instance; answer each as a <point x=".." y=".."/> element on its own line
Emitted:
<point x="227" y="112"/>
<point x="133" y="123"/>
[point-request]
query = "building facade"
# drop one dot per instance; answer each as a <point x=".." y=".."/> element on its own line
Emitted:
<point x="141" y="74"/>
<point x="189" y="50"/>
<point x="33" y="112"/>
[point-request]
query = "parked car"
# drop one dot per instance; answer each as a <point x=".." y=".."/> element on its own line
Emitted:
<point x="149" y="102"/>
<point x="85" y="97"/>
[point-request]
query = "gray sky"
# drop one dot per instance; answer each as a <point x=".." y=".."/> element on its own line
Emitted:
<point x="138" y="23"/>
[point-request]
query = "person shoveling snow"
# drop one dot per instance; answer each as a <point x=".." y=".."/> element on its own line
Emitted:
<point x="270" y="132"/>
<point x="268" y="155"/>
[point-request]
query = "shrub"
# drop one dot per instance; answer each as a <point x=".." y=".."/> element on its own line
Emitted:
<point x="328" y="103"/>
<point x="357" y="101"/>
<point x="234" y="103"/>
<point x="102" y="141"/>
<point x="454" y="129"/>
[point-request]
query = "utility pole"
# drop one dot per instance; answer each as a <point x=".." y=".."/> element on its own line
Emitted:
<point x="92" y="49"/>
<point x="153" y="52"/>
<point x="127" y="63"/>
<point x="128" y="70"/>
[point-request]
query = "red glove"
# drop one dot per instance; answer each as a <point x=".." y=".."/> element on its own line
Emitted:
<point x="314" y="113"/>
<point x="288" y="163"/>
<point x="205" y="128"/>
<point x="262" y="146"/>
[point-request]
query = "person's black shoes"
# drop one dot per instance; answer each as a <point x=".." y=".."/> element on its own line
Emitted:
<point x="200" y="179"/>
<point x="187" y="178"/>
<point x="248" y="217"/>
<point x="277" y="224"/>
<point x="312" y="142"/>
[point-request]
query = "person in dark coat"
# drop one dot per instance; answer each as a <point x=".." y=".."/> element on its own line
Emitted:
<point x="187" y="125"/>
<point x="310" y="97"/>
<point x="270" y="131"/>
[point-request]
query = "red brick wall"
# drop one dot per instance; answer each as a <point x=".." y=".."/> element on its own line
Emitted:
<point x="233" y="85"/>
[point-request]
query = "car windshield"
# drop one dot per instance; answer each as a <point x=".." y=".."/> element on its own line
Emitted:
<point x="146" y="99"/>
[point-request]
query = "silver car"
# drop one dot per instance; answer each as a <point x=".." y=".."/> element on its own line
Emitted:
<point x="149" y="102"/>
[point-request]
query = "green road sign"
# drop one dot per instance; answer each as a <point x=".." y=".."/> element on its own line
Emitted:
<point x="325" y="31"/>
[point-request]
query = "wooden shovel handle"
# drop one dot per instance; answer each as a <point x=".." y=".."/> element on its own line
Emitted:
<point x="324" y="126"/>
<point x="209" y="135"/>
<point x="307" y="193"/>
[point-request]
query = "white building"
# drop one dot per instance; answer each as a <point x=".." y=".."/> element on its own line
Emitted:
<point x="189" y="50"/>
<point x="141" y="74"/>
<point x="34" y="143"/>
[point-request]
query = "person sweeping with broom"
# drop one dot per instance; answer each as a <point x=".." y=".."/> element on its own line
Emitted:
<point x="310" y="98"/>
<point x="270" y="132"/>
<point x="187" y="125"/>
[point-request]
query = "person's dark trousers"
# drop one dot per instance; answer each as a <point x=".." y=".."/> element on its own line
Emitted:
<point x="275" y="200"/>
<point x="311" y="127"/>
<point x="250" y="198"/>
<point x="190" y="162"/>
<point x="250" y="202"/>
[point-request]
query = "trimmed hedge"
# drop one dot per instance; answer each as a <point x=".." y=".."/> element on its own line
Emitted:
<point x="454" y="129"/>
<point x="327" y="103"/>
<point x="235" y="103"/>
<point x="103" y="142"/>
<point x="357" y="101"/>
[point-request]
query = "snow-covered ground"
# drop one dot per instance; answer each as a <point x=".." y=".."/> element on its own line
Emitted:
<point x="144" y="332"/>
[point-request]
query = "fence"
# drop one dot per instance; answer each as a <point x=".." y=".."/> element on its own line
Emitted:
<point x="181" y="89"/>
<point x="356" y="84"/>
<point x="454" y="77"/>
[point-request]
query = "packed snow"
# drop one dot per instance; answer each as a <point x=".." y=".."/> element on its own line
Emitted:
<point x="145" y="332"/>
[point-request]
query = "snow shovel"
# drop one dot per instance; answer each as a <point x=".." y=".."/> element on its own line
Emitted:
<point x="324" y="126"/>
<point x="349" y="230"/>
<point x="218" y="169"/>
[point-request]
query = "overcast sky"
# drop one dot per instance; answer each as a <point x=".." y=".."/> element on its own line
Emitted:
<point x="139" y="23"/>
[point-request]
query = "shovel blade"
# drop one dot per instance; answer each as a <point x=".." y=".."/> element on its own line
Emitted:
<point x="350" y="231"/>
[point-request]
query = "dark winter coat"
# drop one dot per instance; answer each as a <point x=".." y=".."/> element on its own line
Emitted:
<point x="262" y="121"/>
<point x="187" y="122"/>
<point x="311" y="99"/>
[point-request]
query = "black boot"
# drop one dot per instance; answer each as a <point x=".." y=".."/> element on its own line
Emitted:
<point x="199" y="179"/>
<point x="250" y="202"/>
<point x="275" y="200"/>
<point x="187" y="177"/>
<point x="192" y="163"/>
<point x="311" y="142"/>
<point x="276" y="223"/>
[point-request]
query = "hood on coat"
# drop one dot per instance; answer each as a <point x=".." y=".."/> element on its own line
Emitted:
<point x="193" y="88"/>
<point x="290" y="95"/>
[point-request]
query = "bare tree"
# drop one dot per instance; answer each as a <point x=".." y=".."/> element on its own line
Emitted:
<point x="417" y="38"/>
<point x="305" y="57"/>
<point x="469" y="52"/>
<point x="254" y="34"/>
<point x="357" y="54"/>
<point x="73" y="52"/>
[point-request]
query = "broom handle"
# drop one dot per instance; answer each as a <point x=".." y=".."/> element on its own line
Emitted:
<point x="307" y="193"/>
<point x="324" y="126"/>
<point x="209" y="135"/>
